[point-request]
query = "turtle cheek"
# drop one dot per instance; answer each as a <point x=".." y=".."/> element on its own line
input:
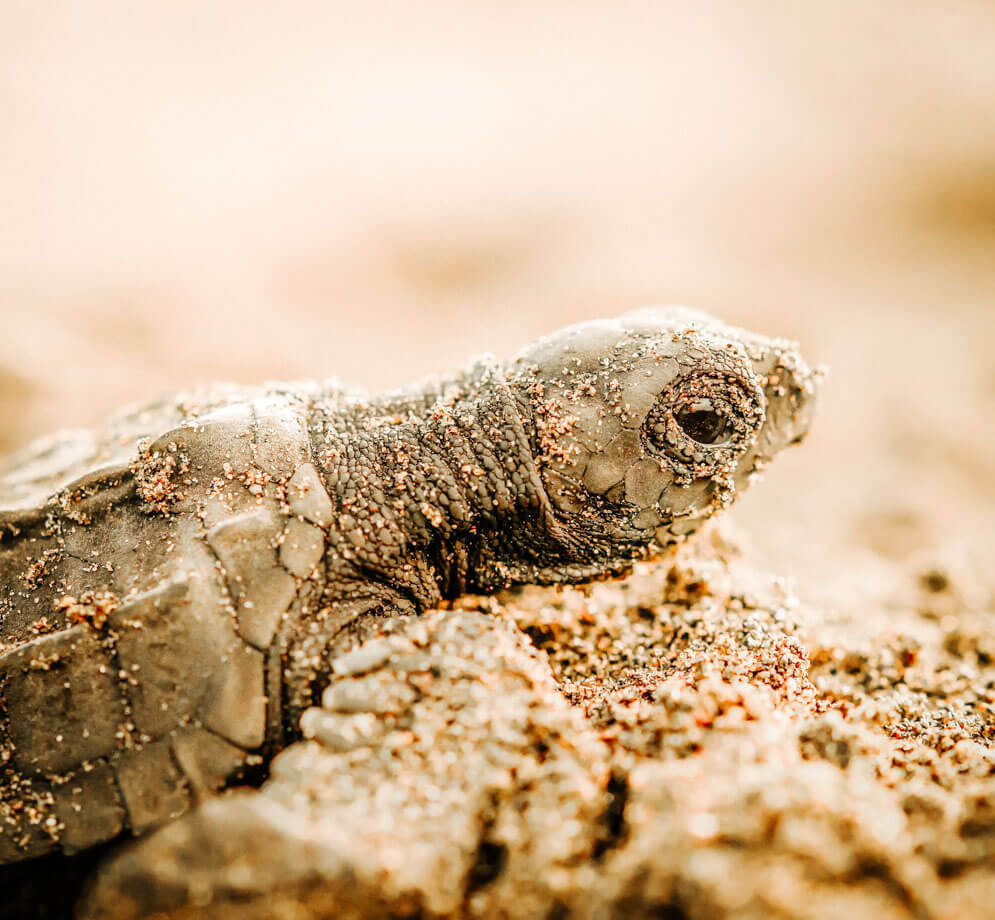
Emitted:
<point x="686" y="500"/>
<point x="645" y="481"/>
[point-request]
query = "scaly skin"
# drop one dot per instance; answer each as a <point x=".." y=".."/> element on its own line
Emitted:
<point x="174" y="590"/>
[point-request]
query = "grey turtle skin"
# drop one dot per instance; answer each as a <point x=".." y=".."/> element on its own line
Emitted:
<point x="175" y="587"/>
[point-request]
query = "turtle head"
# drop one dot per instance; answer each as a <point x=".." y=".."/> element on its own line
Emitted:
<point x="647" y="424"/>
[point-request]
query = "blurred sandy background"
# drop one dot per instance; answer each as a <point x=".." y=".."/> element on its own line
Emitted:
<point x="372" y="191"/>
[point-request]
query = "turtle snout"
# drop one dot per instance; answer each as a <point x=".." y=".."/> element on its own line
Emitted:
<point x="790" y="387"/>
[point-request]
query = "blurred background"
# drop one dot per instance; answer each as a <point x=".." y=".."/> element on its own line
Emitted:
<point x="377" y="191"/>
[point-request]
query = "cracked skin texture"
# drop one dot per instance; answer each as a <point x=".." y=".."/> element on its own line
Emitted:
<point x="176" y="589"/>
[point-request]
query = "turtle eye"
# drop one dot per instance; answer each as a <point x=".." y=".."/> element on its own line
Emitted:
<point x="703" y="422"/>
<point x="706" y="426"/>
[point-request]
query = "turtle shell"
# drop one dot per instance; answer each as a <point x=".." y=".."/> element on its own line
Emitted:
<point x="146" y="571"/>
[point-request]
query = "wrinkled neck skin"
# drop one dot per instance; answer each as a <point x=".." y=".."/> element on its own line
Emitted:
<point x="438" y="493"/>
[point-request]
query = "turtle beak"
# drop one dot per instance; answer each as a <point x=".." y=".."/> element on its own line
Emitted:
<point x="790" y="388"/>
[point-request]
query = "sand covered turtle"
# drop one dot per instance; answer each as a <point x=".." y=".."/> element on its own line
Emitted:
<point x="175" y="588"/>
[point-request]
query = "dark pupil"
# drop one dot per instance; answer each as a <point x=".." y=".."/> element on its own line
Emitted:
<point x="703" y="425"/>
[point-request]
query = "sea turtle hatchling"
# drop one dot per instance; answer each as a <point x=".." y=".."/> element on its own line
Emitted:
<point x="175" y="587"/>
